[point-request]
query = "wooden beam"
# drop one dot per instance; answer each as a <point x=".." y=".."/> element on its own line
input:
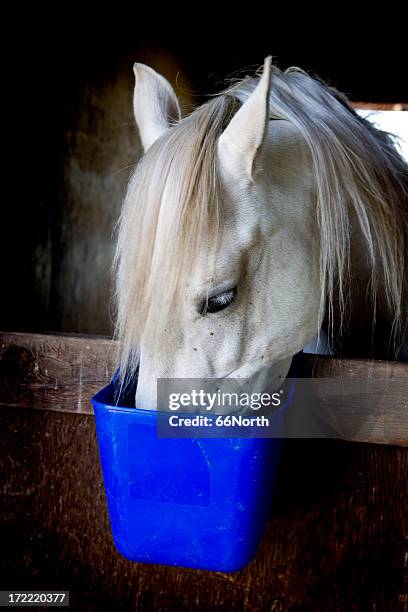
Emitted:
<point x="359" y="399"/>
<point x="62" y="373"/>
<point x="396" y="106"/>
<point x="54" y="372"/>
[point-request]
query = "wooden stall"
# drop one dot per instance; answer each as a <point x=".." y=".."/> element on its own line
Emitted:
<point x="337" y="538"/>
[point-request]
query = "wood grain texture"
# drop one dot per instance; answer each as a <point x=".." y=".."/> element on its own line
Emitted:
<point x="54" y="372"/>
<point x="62" y="373"/>
<point x="378" y="413"/>
<point x="396" y="106"/>
<point x="336" y="539"/>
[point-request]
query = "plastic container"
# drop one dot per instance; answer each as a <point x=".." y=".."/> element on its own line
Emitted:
<point x="199" y="503"/>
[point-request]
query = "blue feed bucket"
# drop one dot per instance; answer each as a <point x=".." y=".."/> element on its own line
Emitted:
<point x="191" y="502"/>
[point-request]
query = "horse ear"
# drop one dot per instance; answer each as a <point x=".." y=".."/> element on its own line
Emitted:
<point x="154" y="104"/>
<point x="241" y="142"/>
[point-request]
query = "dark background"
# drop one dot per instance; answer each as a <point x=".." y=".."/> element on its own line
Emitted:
<point x="69" y="138"/>
<point x="366" y="58"/>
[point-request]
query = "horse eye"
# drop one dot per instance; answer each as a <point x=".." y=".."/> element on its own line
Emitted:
<point x="218" y="302"/>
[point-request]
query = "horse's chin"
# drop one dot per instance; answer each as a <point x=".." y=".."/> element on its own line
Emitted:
<point x="261" y="376"/>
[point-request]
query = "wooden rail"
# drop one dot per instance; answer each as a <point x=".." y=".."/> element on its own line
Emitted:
<point x="62" y="372"/>
<point x="375" y="106"/>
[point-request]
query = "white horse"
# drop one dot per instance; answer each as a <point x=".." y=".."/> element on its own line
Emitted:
<point x="269" y="213"/>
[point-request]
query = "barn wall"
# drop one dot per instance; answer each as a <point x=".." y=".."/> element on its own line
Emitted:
<point x="101" y="146"/>
<point x="81" y="148"/>
<point x="334" y="542"/>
